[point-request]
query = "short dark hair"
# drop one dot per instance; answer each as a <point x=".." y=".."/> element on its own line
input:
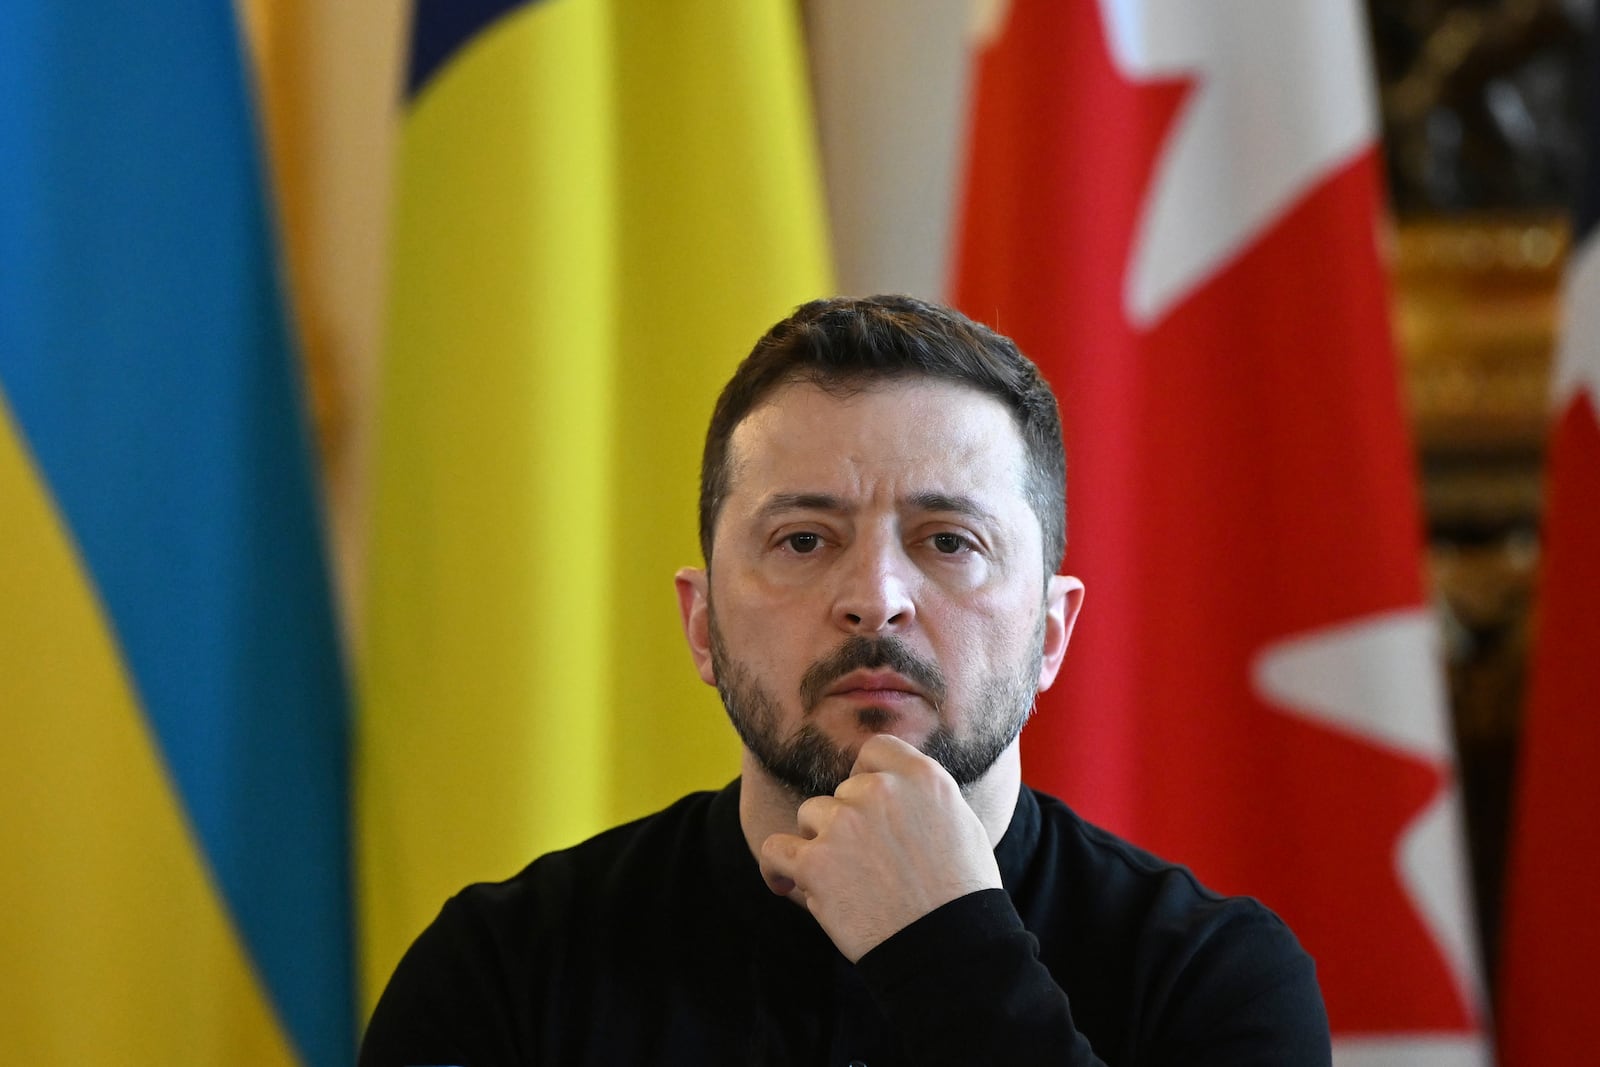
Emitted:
<point x="846" y="343"/>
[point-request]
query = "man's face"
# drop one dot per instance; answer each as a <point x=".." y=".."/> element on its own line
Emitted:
<point x="877" y="569"/>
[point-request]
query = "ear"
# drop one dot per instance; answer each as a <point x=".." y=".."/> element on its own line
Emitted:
<point x="1062" y="599"/>
<point x="694" y="605"/>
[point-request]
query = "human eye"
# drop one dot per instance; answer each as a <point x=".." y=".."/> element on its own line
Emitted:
<point x="950" y="544"/>
<point x="803" y="542"/>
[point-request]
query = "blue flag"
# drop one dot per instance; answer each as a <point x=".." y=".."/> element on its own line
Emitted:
<point x="174" y="784"/>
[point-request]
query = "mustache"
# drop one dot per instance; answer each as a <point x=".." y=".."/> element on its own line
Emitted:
<point x="867" y="653"/>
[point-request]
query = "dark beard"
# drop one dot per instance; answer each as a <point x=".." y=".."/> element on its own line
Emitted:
<point x="810" y="764"/>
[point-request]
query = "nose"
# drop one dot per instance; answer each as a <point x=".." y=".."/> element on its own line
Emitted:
<point x="874" y="591"/>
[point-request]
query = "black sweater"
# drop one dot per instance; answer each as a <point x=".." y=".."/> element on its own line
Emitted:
<point x="659" y="943"/>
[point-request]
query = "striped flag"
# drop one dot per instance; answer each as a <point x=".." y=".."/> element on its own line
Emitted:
<point x="174" y="772"/>
<point x="1554" y="873"/>
<point x="600" y="206"/>
<point x="1173" y="207"/>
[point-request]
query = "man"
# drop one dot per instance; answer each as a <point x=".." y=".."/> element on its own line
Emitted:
<point x="882" y="511"/>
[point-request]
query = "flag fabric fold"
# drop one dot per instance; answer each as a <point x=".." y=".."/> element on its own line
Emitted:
<point x="1554" y="867"/>
<point x="176" y="830"/>
<point x="600" y="206"/>
<point x="1174" y="210"/>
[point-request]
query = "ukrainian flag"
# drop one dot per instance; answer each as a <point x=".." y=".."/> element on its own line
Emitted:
<point x="601" y="204"/>
<point x="173" y="776"/>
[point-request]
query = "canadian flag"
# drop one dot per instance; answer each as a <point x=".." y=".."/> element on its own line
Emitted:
<point x="1551" y="938"/>
<point x="1173" y="206"/>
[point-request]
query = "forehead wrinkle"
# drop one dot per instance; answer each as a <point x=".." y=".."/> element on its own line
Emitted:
<point x="767" y="434"/>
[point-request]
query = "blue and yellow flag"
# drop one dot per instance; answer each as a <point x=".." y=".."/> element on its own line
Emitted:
<point x="601" y="204"/>
<point x="173" y="801"/>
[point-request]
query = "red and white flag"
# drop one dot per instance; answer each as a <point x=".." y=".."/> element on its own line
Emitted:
<point x="1174" y="208"/>
<point x="1551" y="939"/>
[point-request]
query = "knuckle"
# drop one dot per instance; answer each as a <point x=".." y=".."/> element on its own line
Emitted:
<point x="927" y="773"/>
<point x="815" y="811"/>
<point x="868" y="789"/>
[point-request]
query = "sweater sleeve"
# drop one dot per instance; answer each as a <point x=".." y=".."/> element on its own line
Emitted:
<point x="964" y="985"/>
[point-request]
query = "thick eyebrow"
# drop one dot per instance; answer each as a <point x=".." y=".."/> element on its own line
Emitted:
<point x="778" y="503"/>
<point x="960" y="505"/>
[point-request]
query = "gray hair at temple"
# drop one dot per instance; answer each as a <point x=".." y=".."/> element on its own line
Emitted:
<point x="846" y="344"/>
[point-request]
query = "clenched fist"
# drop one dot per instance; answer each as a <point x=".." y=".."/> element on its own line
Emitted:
<point x="895" y="841"/>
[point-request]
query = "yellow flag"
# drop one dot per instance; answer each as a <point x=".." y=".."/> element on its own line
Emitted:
<point x="600" y="205"/>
